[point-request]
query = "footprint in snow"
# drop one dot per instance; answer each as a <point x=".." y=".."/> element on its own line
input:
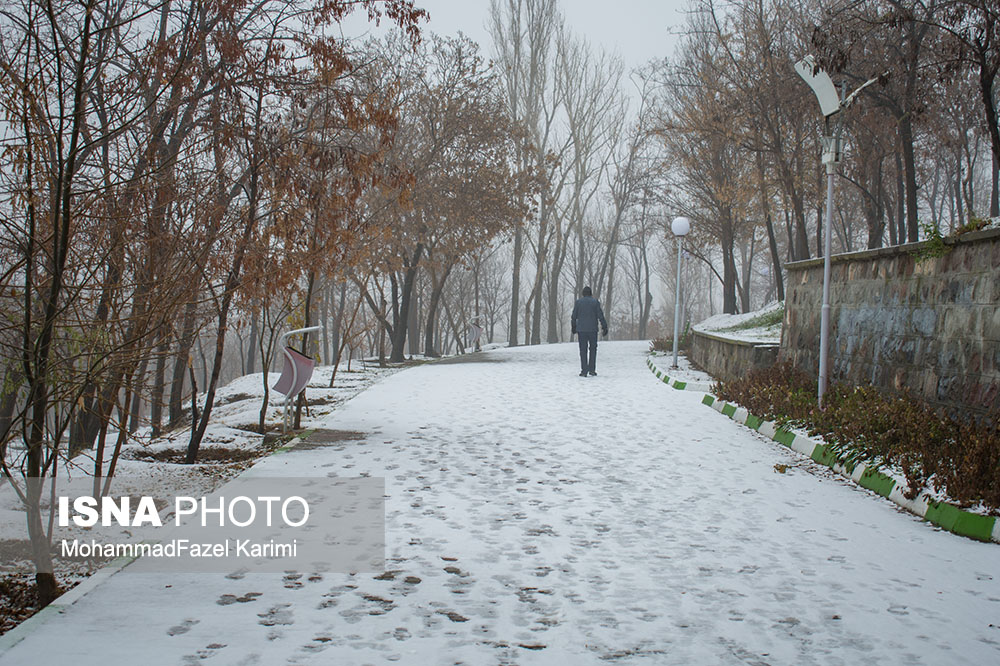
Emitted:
<point x="318" y="644"/>
<point x="202" y="654"/>
<point x="182" y="628"/>
<point x="229" y="599"/>
<point x="453" y="616"/>
<point x="278" y="614"/>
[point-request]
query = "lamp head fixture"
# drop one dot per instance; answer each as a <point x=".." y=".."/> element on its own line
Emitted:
<point x="680" y="226"/>
<point x="821" y="84"/>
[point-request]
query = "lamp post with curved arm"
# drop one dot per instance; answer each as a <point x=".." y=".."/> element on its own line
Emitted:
<point x="680" y="226"/>
<point x="831" y="104"/>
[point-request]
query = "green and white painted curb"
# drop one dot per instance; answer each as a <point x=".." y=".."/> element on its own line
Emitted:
<point x="676" y="383"/>
<point x="942" y="514"/>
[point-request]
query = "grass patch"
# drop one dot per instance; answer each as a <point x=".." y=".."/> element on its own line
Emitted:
<point x="766" y="320"/>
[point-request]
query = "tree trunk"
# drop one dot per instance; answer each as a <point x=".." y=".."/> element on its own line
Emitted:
<point x="156" y="397"/>
<point x="12" y="381"/>
<point x="381" y="335"/>
<point x="995" y="187"/>
<point x="181" y="360"/>
<point x="987" y="78"/>
<point x="959" y="214"/>
<point x="406" y="293"/>
<point x="326" y="293"/>
<point x="432" y="308"/>
<point x="609" y="292"/>
<point x="647" y="303"/>
<point x="552" y="327"/>
<point x="135" y="406"/>
<point x="728" y="273"/>
<point x="873" y="209"/>
<point x="413" y="321"/>
<point x="558" y="261"/>
<point x="772" y="241"/>
<point x="536" y="296"/>
<point x="300" y="399"/>
<point x="900" y="202"/>
<point x="515" y="287"/>
<point x="910" y="172"/>
<point x="338" y="325"/>
<point x="254" y="335"/>
<point x="799" y="240"/>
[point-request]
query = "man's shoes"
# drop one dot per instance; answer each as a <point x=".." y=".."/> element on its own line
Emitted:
<point x="592" y="373"/>
<point x="583" y="373"/>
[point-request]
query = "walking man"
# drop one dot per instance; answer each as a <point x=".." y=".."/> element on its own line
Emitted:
<point x="586" y="314"/>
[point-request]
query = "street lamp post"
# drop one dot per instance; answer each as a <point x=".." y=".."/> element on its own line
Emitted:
<point x="831" y="104"/>
<point x="680" y="226"/>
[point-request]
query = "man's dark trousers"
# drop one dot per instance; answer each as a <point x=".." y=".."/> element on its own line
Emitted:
<point x="588" y="340"/>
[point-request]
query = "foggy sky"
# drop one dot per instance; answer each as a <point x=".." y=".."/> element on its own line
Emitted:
<point x="638" y="30"/>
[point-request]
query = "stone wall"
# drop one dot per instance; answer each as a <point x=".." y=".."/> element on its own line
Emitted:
<point x="725" y="358"/>
<point x="930" y="326"/>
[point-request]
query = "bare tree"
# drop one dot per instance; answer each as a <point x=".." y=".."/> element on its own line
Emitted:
<point x="523" y="32"/>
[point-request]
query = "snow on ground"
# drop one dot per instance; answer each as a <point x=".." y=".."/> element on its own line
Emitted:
<point x="684" y="370"/>
<point x="734" y="326"/>
<point x="138" y="473"/>
<point x="537" y="517"/>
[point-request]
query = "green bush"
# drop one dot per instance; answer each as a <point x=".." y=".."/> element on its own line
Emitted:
<point x="864" y="425"/>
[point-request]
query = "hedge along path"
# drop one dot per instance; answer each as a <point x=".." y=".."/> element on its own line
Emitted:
<point x="944" y="515"/>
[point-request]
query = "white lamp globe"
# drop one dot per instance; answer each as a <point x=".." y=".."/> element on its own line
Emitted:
<point x="680" y="226"/>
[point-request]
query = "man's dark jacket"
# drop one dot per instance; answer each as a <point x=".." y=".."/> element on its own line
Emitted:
<point x="586" y="313"/>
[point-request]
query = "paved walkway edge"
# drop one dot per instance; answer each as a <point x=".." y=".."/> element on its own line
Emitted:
<point x="67" y="599"/>
<point x="676" y="383"/>
<point x="944" y="515"/>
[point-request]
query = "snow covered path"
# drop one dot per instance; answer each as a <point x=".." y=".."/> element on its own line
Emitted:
<point x="536" y="517"/>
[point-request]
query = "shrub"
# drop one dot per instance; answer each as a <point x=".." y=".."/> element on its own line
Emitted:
<point x="974" y="224"/>
<point x="864" y="425"/>
<point x="781" y="393"/>
<point x="666" y="344"/>
<point x="661" y="345"/>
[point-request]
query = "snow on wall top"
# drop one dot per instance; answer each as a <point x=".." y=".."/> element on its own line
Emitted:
<point x="742" y="327"/>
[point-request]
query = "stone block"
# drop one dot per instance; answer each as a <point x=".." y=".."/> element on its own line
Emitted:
<point x="974" y="359"/>
<point x="980" y="288"/>
<point x="990" y="322"/>
<point x="923" y="321"/>
<point x="926" y="267"/>
<point x="989" y="357"/>
<point x="956" y="322"/>
<point x="994" y="260"/>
